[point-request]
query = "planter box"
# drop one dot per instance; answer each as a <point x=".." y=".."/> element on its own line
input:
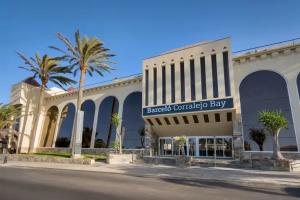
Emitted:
<point x="114" y="158"/>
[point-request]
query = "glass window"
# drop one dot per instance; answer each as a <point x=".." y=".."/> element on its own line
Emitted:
<point x="219" y="147"/>
<point x="147" y="87"/>
<point x="206" y="119"/>
<point x="229" y="117"/>
<point x="202" y="147"/>
<point x="155" y="86"/>
<point x="66" y="126"/>
<point x="167" y="120"/>
<point x="173" y="83"/>
<point x="226" y="74"/>
<point x="210" y="147"/>
<point x="185" y="119"/>
<point x="106" y="132"/>
<point x="192" y="146"/>
<point x="228" y="147"/>
<point x="163" y="84"/>
<point x="195" y="118"/>
<point x="175" y="120"/>
<point x="192" y="73"/>
<point x="165" y="146"/>
<point x="217" y="117"/>
<point x="182" y="81"/>
<point x="88" y="107"/>
<point x="214" y="75"/>
<point x="132" y="121"/>
<point x="203" y="78"/>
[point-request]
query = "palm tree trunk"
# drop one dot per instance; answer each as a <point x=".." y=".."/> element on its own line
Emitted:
<point x="78" y="108"/>
<point x="36" y="118"/>
<point x="276" y="149"/>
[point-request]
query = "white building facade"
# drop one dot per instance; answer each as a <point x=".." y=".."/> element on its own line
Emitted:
<point x="202" y="91"/>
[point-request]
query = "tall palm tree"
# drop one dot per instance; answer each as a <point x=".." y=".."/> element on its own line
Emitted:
<point x="45" y="69"/>
<point x="87" y="55"/>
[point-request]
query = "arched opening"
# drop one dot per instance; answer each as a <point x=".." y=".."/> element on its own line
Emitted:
<point x="132" y="121"/>
<point x="106" y="132"/>
<point x="66" y="126"/>
<point x="49" y="127"/>
<point x="266" y="90"/>
<point x="88" y="107"/>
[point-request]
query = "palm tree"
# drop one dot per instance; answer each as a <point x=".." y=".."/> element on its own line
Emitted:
<point x="258" y="136"/>
<point x="87" y="55"/>
<point x="45" y="69"/>
<point x="274" y="121"/>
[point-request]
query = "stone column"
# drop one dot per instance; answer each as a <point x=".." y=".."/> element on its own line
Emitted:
<point x="294" y="104"/>
<point x="92" y="145"/>
<point x="57" y="126"/>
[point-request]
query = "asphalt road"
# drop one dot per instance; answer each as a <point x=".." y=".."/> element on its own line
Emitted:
<point x="49" y="184"/>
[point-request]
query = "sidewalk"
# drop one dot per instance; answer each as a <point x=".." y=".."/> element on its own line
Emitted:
<point x="160" y="171"/>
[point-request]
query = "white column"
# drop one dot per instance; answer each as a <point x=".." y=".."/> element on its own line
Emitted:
<point x="120" y="112"/>
<point x="57" y="126"/>
<point x="209" y="81"/>
<point x="177" y="82"/>
<point x="295" y="104"/>
<point x="220" y="72"/>
<point x="198" y="90"/>
<point x="159" y="84"/>
<point x="97" y="106"/>
<point x="168" y="83"/>
<point x="187" y="79"/>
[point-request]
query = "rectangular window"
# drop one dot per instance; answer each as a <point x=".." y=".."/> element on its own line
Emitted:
<point x="167" y="120"/>
<point x="173" y="83"/>
<point x="195" y="118"/>
<point x="192" y="72"/>
<point x="203" y="78"/>
<point x="185" y="119"/>
<point x="154" y="86"/>
<point x="158" y="121"/>
<point x="163" y="84"/>
<point x="150" y="122"/>
<point x="182" y="81"/>
<point x="175" y="120"/>
<point x="206" y="119"/>
<point x="226" y="74"/>
<point x="147" y="87"/>
<point x="214" y="75"/>
<point x="229" y="117"/>
<point x="217" y="117"/>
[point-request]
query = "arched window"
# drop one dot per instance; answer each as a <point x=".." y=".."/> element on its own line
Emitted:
<point x="266" y="90"/>
<point x="106" y="132"/>
<point x="66" y="126"/>
<point x="132" y="121"/>
<point x="88" y="107"/>
<point x="49" y="127"/>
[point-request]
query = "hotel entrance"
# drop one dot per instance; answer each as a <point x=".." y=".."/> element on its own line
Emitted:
<point x="199" y="146"/>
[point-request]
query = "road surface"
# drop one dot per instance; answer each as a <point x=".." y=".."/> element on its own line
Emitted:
<point x="52" y="184"/>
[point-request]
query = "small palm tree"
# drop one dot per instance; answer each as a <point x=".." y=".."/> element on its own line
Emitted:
<point x="258" y="136"/>
<point x="116" y="120"/>
<point x="45" y="69"/>
<point x="87" y="55"/>
<point x="274" y="121"/>
<point x="181" y="141"/>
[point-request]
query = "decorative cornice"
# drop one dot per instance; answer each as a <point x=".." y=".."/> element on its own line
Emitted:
<point x="265" y="53"/>
<point x="117" y="83"/>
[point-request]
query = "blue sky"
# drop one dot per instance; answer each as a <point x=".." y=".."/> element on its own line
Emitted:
<point x="136" y="29"/>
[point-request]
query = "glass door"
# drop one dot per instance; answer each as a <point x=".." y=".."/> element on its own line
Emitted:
<point x="192" y="146"/>
<point x="210" y="147"/>
<point x="202" y="147"/>
<point x="165" y="146"/>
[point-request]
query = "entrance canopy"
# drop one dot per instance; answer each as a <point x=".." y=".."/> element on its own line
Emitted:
<point x="212" y="123"/>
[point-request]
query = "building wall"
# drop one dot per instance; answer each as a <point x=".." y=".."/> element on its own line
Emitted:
<point x="284" y="61"/>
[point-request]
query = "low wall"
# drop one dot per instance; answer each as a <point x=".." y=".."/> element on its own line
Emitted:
<point x="50" y="159"/>
<point x="267" y="155"/>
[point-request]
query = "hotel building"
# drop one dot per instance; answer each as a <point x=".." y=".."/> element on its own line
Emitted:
<point x="203" y="91"/>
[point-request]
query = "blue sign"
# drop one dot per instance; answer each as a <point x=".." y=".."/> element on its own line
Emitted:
<point x="189" y="107"/>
